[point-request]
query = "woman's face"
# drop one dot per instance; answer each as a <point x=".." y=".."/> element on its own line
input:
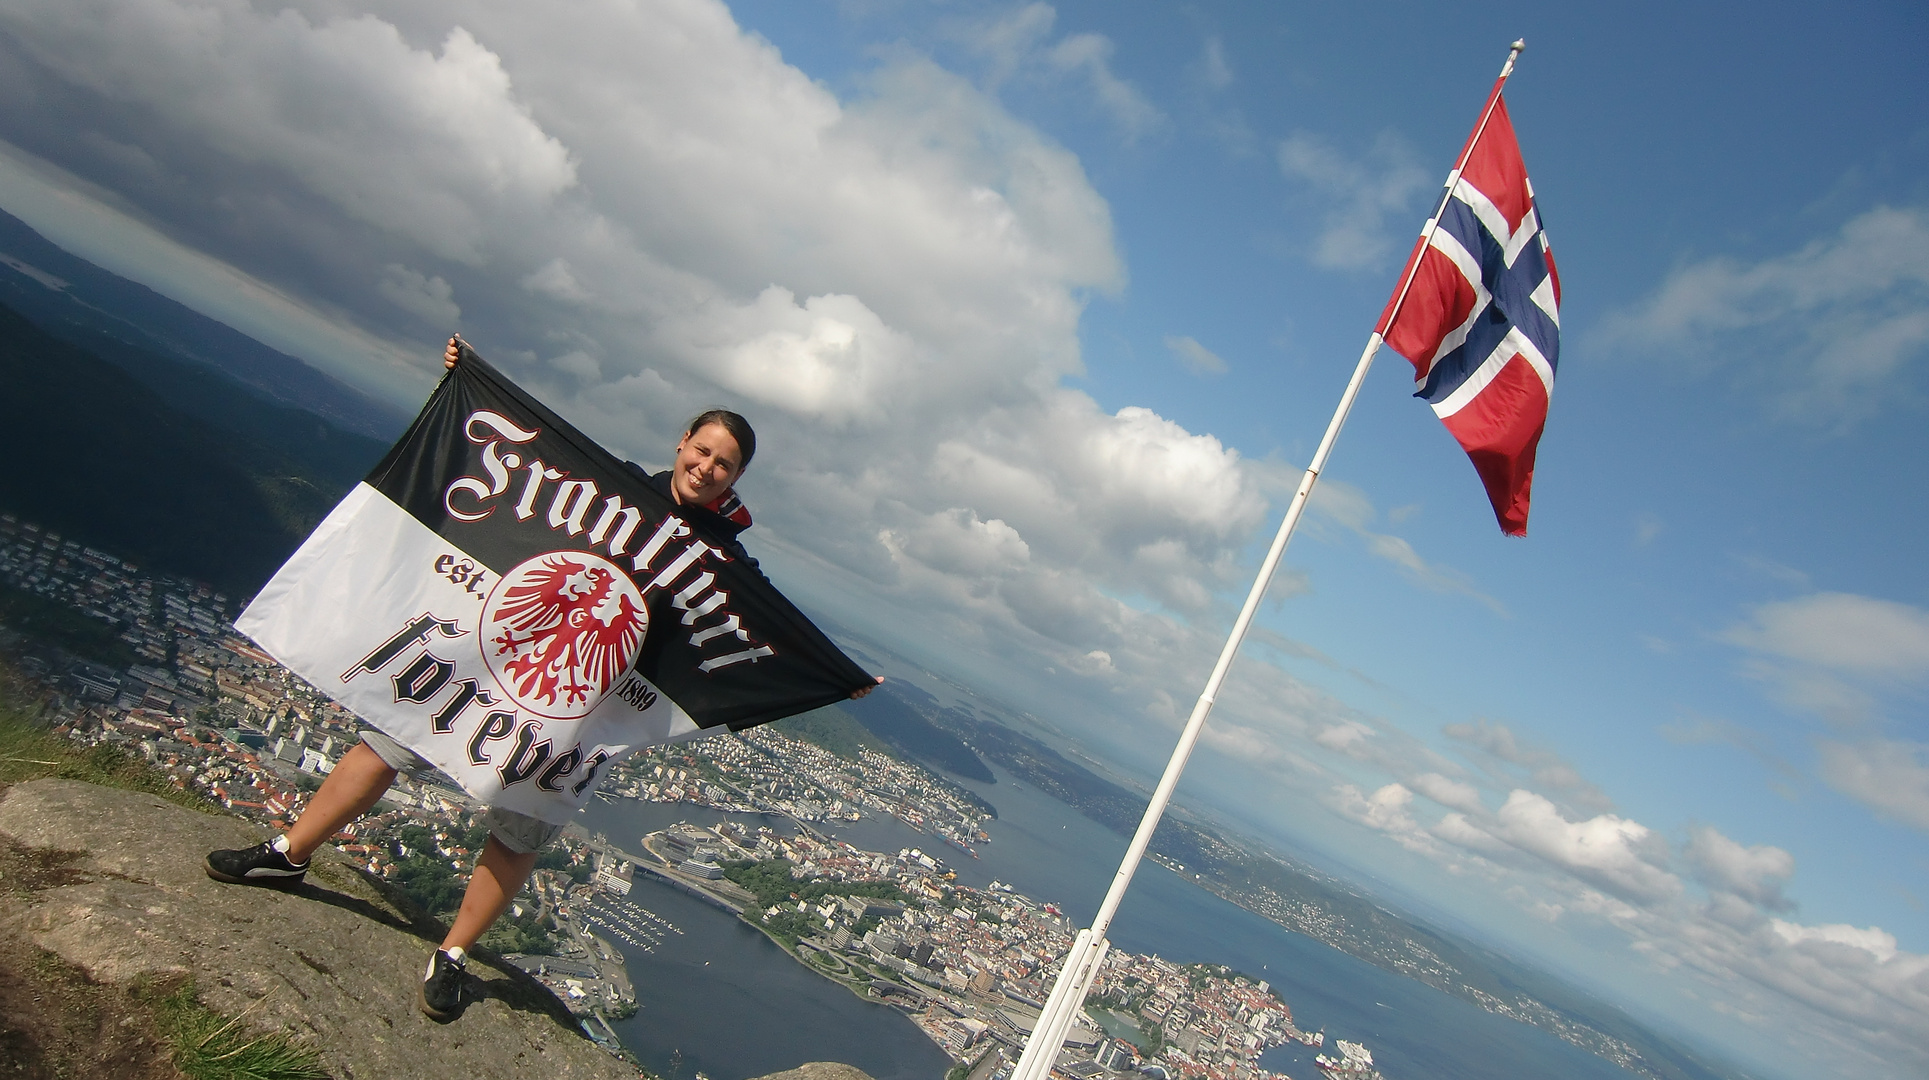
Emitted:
<point x="707" y="463"/>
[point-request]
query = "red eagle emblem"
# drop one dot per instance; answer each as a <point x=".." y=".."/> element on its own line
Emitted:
<point x="559" y="630"/>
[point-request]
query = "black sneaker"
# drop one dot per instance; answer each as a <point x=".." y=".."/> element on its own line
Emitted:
<point x="442" y="987"/>
<point x="258" y="865"/>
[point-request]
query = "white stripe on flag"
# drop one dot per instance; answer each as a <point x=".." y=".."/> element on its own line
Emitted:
<point x="1543" y="298"/>
<point x="1514" y="344"/>
<point x="1511" y="241"/>
<point x="1463" y="260"/>
<point x="369" y="571"/>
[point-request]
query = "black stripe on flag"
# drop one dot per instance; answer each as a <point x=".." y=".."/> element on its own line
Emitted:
<point x="723" y="643"/>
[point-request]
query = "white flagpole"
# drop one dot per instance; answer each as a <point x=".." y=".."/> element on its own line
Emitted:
<point x="1075" y="977"/>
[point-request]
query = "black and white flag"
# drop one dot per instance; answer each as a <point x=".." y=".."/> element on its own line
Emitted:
<point x="522" y="608"/>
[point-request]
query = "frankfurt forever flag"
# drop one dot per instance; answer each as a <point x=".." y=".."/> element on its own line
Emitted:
<point x="522" y="608"/>
<point x="1481" y="319"/>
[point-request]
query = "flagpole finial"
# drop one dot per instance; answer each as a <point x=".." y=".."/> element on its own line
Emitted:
<point x="1513" y="52"/>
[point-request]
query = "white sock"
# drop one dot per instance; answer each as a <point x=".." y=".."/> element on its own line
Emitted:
<point x="457" y="954"/>
<point x="281" y="845"/>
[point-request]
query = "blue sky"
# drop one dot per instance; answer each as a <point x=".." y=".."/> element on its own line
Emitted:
<point x="1040" y="308"/>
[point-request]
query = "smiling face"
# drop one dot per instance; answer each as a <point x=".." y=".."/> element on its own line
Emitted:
<point x="707" y="463"/>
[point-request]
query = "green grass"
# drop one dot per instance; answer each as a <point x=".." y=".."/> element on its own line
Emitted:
<point x="209" y="1046"/>
<point x="28" y="751"/>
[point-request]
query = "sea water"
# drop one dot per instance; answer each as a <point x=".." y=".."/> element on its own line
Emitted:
<point x="753" y="1010"/>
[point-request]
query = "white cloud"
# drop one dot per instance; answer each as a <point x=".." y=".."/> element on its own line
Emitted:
<point x="428" y="297"/>
<point x="557" y="280"/>
<point x="420" y="142"/>
<point x="1017" y="46"/>
<point x="1888" y="776"/>
<point x="1614" y="853"/>
<point x="1878" y="943"/>
<point x="1345" y="738"/>
<point x="1386" y="811"/>
<point x="1196" y="357"/>
<point x="1091" y="56"/>
<point x="1851" y="991"/>
<point x="1834" y="324"/>
<point x="1366" y="206"/>
<point x="1505" y="758"/>
<point x="1756" y="874"/>
<point x="1857" y="635"/>
<point x="1841" y="657"/>
<point x="1454" y="794"/>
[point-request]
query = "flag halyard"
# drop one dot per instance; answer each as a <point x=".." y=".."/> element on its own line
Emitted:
<point x="1479" y="318"/>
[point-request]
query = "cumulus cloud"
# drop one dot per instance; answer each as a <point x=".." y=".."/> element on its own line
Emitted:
<point x="431" y="298"/>
<point x="419" y="141"/>
<point x="1756" y="874"/>
<point x="1838" y="323"/>
<point x="1455" y="794"/>
<point x="643" y="210"/>
<point x="1614" y="853"/>
<point x="890" y="282"/>
<point x="1369" y="200"/>
<point x="1852" y="989"/>
<point x="1386" y="811"/>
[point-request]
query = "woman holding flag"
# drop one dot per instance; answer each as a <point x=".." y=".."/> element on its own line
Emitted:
<point x="715" y="448"/>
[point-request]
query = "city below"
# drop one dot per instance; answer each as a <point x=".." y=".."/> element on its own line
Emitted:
<point x="969" y="966"/>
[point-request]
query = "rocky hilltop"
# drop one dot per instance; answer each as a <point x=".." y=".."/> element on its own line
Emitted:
<point x="111" y="882"/>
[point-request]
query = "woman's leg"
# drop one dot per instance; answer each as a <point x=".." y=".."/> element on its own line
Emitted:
<point x="359" y="778"/>
<point x="498" y="877"/>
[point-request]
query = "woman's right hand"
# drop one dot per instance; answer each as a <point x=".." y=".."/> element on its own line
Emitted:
<point x="453" y="353"/>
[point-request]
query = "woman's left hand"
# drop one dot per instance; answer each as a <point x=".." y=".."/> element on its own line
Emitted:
<point x="862" y="690"/>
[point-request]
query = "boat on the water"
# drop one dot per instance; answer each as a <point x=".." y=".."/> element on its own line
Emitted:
<point x="1354" y="1063"/>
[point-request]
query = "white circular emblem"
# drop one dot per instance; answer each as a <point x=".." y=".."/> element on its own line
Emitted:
<point x="561" y="629"/>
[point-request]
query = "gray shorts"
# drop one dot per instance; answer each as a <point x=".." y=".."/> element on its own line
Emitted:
<point x="520" y="833"/>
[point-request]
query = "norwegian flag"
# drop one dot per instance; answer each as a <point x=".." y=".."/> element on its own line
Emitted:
<point x="1480" y="319"/>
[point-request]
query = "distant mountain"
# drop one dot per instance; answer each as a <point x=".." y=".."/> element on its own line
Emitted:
<point x="92" y="453"/>
<point x="897" y="714"/>
<point x="127" y="324"/>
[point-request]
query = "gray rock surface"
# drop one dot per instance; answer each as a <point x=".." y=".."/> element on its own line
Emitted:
<point x="331" y="962"/>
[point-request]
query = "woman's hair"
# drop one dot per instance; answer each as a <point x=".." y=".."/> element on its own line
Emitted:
<point x="735" y="424"/>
